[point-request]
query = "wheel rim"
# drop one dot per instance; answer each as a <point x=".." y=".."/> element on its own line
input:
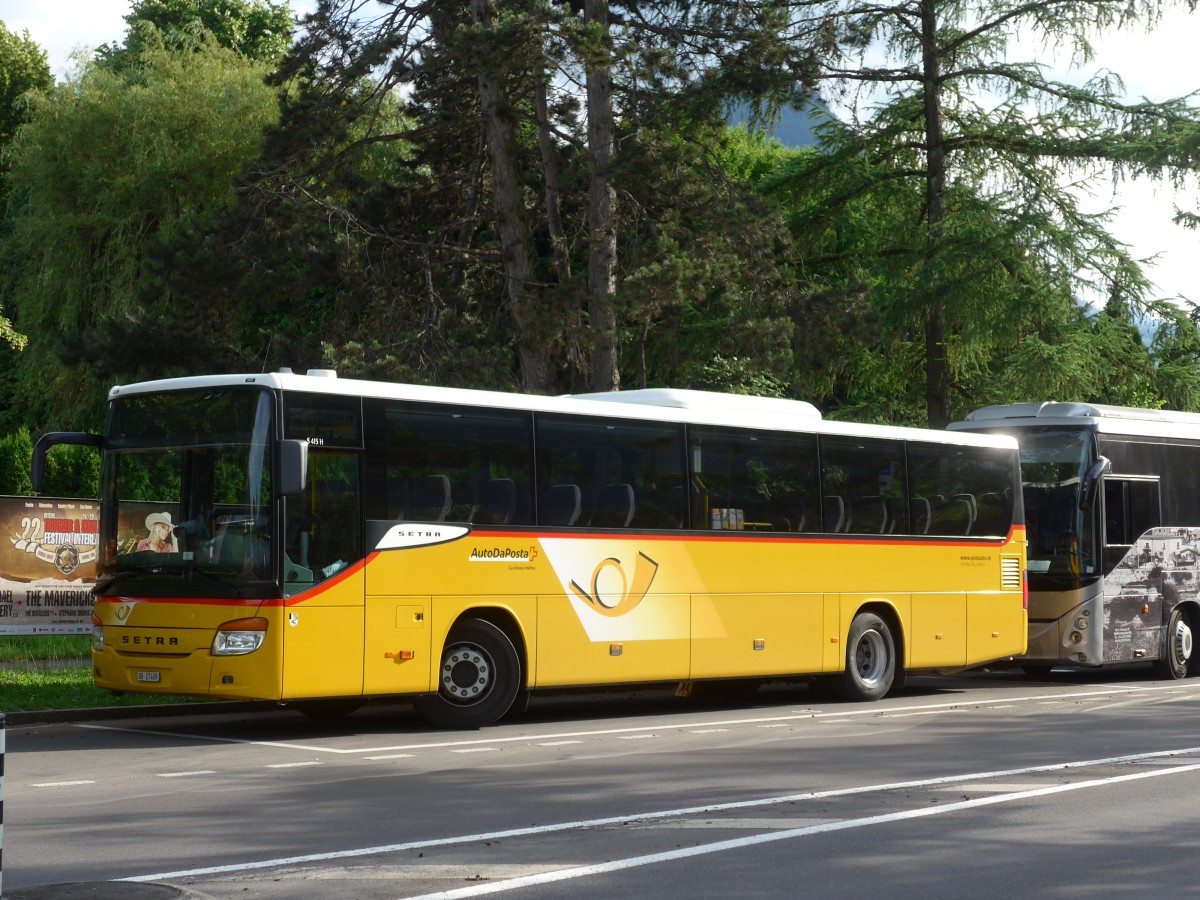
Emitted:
<point x="1181" y="642"/>
<point x="870" y="658"/>
<point x="466" y="674"/>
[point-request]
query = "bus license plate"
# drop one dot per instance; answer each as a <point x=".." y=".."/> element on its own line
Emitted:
<point x="152" y="677"/>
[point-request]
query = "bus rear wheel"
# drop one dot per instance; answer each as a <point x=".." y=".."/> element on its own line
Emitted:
<point x="478" y="679"/>
<point x="870" y="660"/>
<point x="1176" y="658"/>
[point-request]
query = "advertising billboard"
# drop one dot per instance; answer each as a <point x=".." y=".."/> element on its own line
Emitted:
<point x="47" y="564"/>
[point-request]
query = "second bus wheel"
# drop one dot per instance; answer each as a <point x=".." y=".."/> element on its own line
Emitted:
<point x="870" y="660"/>
<point x="1176" y="656"/>
<point x="478" y="679"/>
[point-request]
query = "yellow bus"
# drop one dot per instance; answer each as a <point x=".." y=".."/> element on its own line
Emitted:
<point x="316" y="540"/>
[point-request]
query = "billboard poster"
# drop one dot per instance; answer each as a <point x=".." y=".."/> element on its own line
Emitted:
<point x="47" y="564"/>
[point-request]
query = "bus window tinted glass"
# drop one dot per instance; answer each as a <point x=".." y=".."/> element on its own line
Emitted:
<point x="753" y="481"/>
<point x="610" y="474"/>
<point x="862" y="487"/>
<point x="960" y="490"/>
<point x="429" y="463"/>
<point x="324" y="420"/>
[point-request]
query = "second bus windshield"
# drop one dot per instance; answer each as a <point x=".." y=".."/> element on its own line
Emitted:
<point x="1062" y="539"/>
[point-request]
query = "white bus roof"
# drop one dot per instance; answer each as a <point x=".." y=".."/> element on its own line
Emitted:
<point x="1094" y="416"/>
<point x="654" y="404"/>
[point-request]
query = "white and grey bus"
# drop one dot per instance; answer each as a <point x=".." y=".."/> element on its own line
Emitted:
<point x="1112" y="506"/>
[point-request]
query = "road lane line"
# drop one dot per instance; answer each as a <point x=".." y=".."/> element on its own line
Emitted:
<point x="661" y="814"/>
<point x="61" y="783"/>
<point x="875" y="710"/>
<point x="187" y="774"/>
<point x="617" y="865"/>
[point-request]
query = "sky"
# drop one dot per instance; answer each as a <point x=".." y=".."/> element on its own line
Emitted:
<point x="1157" y="66"/>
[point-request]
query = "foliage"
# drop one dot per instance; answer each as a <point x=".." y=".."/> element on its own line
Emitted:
<point x="23" y="68"/>
<point x="975" y="154"/>
<point x="16" y="453"/>
<point x="257" y="29"/>
<point x="105" y="169"/>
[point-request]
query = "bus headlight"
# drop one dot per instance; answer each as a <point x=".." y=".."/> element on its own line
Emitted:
<point x="97" y="633"/>
<point x="1081" y="623"/>
<point x="239" y="637"/>
<point x="1076" y="637"/>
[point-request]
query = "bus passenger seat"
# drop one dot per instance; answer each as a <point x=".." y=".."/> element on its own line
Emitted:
<point x="870" y="515"/>
<point x="922" y="514"/>
<point x="833" y="513"/>
<point x="429" y="498"/>
<point x="560" y="505"/>
<point x="497" y="502"/>
<point x="614" y="506"/>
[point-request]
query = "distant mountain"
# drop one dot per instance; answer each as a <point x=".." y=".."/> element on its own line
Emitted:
<point x="794" y="127"/>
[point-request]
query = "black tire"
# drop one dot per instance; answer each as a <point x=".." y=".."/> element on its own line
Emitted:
<point x="1036" y="670"/>
<point x="870" y="660"/>
<point x="479" y="678"/>
<point x="1176" y="654"/>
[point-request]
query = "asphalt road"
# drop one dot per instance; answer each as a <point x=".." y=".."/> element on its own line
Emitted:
<point x="990" y="785"/>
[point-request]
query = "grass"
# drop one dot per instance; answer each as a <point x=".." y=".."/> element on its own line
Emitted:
<point x="57" y="674"/>
<point x="55" y="648"/>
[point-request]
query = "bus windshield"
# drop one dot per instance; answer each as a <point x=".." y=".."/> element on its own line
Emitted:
<point x="1061" y="536"/>
<point x="187" y="488"/>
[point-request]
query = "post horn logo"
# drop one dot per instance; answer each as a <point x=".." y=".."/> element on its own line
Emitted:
<point x="612" y="593"/>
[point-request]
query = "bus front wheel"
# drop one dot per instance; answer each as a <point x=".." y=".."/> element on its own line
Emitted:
<point x="1176" y="656"/>
<point x="478" y="679"/>
<point x="870" y="660"/>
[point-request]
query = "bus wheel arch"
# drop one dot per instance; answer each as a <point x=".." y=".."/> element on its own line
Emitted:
<point x="874" y="655"/>
<point x="1179" y="657"/>
<point x="480" y="672"/>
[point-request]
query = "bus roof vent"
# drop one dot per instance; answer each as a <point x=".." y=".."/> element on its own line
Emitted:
<point x="714" y="400"/>
<point x="321" y="373"/>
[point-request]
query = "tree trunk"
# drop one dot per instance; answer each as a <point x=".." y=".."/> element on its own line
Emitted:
<point x="602" y="215"/>
<point x="515" y="251"/>
<point x="937" y="360"/>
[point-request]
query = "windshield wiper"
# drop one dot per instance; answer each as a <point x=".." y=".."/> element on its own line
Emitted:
<point x="189" y="571"/>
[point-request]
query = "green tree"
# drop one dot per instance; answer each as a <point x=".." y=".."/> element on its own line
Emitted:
<point x="538" y="196"/>
<point x="257" y="29"/>
<point x="16" y="457"/>
<point x="105" y="168"/>
<point x="23" y="68"/>
<point x="986" y="146"/>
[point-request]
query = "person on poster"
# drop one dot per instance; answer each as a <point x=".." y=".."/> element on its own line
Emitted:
<point x="161" y="538"/>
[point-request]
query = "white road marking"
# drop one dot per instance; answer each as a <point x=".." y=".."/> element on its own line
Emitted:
<point x="616" y="865"/>
<point x="476" y="750"/>
<point x="872" y="710"/>
<point x="187" y="774"/>
<point x="558" y="743"/>
<point x="677" y="813"/>
<point x="392" y="756"/>
<point x="61" y="783"/>
<point x="295" y="765"/>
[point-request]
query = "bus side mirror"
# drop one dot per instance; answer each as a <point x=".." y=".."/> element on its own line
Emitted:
<point x="51" y="439"/>
<point x="293" y="467"/>
<point x="1091" y="481"/>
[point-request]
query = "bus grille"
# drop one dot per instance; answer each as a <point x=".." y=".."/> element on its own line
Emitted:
<point x="1010" y="572"/>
